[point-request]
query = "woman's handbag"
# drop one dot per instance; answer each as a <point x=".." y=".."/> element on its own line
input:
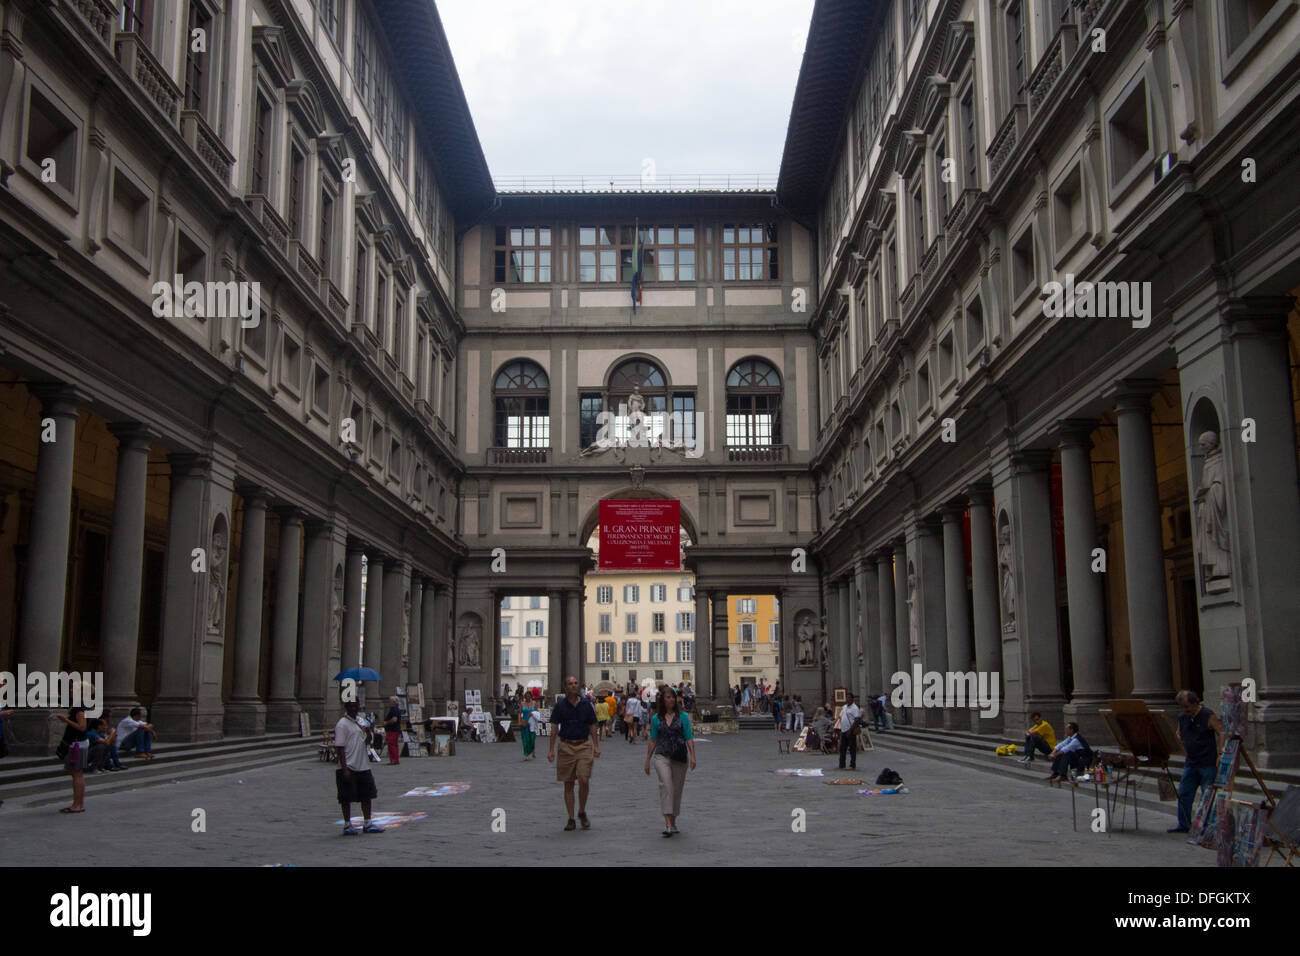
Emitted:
<point x="61" y="751"/>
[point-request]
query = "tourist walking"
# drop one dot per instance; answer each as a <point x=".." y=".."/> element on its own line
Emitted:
<point x="671" y="750"/>
<point x="849" y="717"/>
<point x="574" y="721"/>
<point x="528" y="730"/>
<point x="353" y="781"/>
<point x="392" y="729"/>
<point x="632" y="717"/>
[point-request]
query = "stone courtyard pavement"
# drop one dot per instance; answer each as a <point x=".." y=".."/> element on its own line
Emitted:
<point x="735" y="811"/>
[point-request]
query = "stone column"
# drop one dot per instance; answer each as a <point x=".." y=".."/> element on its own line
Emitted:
<point x="984" y="600"/>
<point x="413" y="638"/>
<point x="573" y="622"/>
<point x="703" y="682"/>
<point x="1036" y="615"/>
<point x="121" y="621"/>
<point x="956" y="612"/>
<point x="374" y="631"/>
<point x="317" y="612"/>
<point x="867" y="652"/>
<point x="397" y="575"/>
<point x="352" y="607"/>
<point x="192" y="655"/>
<point x="830" y="669"/>
<point x="721" y="662"/>
<point x="555" y="635"/>
<point x="442" y="630"/>
<point x="1084" y="587"/>
<point x="1144" y="558"/>
<point x="902" y="645"/>
<point x="847" y="625"/>
<point x="282" y="705"/>
<point x="246" y="713"/>
<point x="40" y="632"/>
<point x="933" y="629"/>
<point x="429" y="660"/>
<point x="887" y="630"/>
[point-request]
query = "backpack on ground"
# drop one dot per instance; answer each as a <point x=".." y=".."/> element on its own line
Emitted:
<point x="888" y="778"/>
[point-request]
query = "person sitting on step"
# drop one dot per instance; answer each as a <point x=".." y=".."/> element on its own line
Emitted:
<point x="1072" y="753"/>
<point x="1040" y="736"/>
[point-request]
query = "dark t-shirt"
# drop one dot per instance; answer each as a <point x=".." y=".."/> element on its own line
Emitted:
<point x="1198" y="738"/>
<point x="573" y="720"/>
<point x="393" y="712"/>
<point x="71" y="734"/>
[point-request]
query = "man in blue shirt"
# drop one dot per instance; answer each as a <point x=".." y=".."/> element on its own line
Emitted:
<point x="1198" y="727"/>
<point x="574" y="719"/>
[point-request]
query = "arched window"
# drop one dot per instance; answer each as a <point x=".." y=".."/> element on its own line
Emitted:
<point x="523" y="406"/>
<point x="638" y="376"/>
<point x="753" y="404"/>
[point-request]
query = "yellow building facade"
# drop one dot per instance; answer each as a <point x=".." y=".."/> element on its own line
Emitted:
<point x="753" y="638"/>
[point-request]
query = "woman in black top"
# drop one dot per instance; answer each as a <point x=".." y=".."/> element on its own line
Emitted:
<point x="75" y="760"/>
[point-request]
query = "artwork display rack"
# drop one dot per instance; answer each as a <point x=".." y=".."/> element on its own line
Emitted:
<point x="1237" y="828"/>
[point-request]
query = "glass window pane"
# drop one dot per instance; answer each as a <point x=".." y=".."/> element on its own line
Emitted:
<point x="500" y="235"/>
<point x="587" y="235"/>
<point x="728" y="235"/>
<point x="544" y="236"/>
<point x="666" y="235"/>
<point x="686" y="235"/>
<point x="516" y="237"/>
<point x="607" y="235"/>
<point x="530" y="236"/>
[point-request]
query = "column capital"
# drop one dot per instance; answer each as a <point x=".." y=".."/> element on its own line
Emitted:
<point x="1029" y="460"/>
<point x="375" y="556"/>
<point x="1076" y="431"/>
<point x="356" y="546"/>
<point x="883" y="555"/>
<point x="133" y="435"/>
<point x="290" y="515"/>
<point x="980" y="494"/>
<point x="1263" y="314"/>
<point x="318" y="526"/>
<point x="952" y="512"/>
<point x="1134" y="394"/>
<point x="59" y="398"/>
<point x="554" y="593"/>
<point x="255" y="496"/>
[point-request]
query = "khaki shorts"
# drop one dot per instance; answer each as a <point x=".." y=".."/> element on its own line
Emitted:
<point x="574" y="760"/>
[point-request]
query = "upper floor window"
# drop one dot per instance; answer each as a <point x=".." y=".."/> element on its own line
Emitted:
<point x="605" y="594"/>
<point x="749" y="252"/>
<point x="523" y="403"/>
<point x="535" y="601"/>
<point x="670" y="254"/>
<point x="658" y="593"/>
<point x="631" y="593"/>
<point x="601" y="251"/>
<point x="605" y="651"/>
<point x="753" y="404"/>
<point x="261" y="145"/>
<point x="328" y="10"/>
<point x="747" y="605"/>
<point x="196" y="61"/>
<point x="684" y="594"/>
<point x="522" y="254"/>
<point x="1015" y="50"/>
<point x="970" y="143"/>
<point x="136" y="18"/>
<point x="533" y="629"/>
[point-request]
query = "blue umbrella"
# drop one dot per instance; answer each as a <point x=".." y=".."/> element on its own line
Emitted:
<point x="358" y="674"/>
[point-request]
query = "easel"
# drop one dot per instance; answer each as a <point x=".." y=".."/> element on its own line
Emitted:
<point x="1143" y="736"/>
<point x="1225" y="782"/>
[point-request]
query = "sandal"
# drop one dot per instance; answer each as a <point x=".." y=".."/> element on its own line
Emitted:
<point x="70" y="810"/>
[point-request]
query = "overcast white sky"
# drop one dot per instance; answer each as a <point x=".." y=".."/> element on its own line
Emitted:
<point x="565" y="87"/>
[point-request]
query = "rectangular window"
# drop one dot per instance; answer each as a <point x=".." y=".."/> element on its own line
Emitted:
<point x="601" y="249"/>
<point x="685" y="651"/>
<point x="658" y="593"/>
<point x="631" y="593"/>
<point x="684" y="594"/>
<point x="196" y="62"/>
<point x="325" y="244"/>
<point x="534" y="657"/>
<point x="604" y="652"/>
<point x="505" y="628"/>
<point x="747" y="632"/>
<point x="535" y="602"/>
<point x="296" y="183"/>
<point x="505" y="604"/>
<point x="941" y="182"/>
<point x="590" y="405"/>
<point x="533" y="629"/>
<point x="657" y="625"/>
<point x="774" y="632"/>
<point x="631" y="652"/>
<point x="918" y="223"/>
<point x="658" y="652"/>
<point x="135" y="18"/>
<point x="746" y="605"/>
<point x="522" y="254"/>
<point x="629" y="624"/>
<point x="753" y="419"/>
<point x="1015" y="50"/>
<point x="669" y="254"/>
<point x="363" y="56"/>
<point x="604" y="594"/>
<point x="262" y="146"/>
<point x="381" y="303"/>
<point x="328" y="11"/>
<point x="359" y="286"/>
<point x="523" y="421"/>
<point x="604" y="624"/>
<point x="686" y="622"/>
<point x="749" y="252"/>
<point x="505" y="658"/>
<point x="682" y="422"/>
<point x="969" y="140"/>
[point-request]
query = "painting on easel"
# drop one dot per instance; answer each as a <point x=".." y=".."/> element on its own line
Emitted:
<point x="1228" y="762"/>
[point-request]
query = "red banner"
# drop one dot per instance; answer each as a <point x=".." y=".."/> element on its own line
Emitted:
<point x="640" y="534"/>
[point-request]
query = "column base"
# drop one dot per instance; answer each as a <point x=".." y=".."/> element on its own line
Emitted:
<point x="181" y="721"/>
<point x="115" y="708"/>
<point x="282" y="716"/>
<point x="1274" y="734"/>
<point x="991" y="726"/>
<point x="33" y="731"/>
<point x="245" y="718"/>
<point x="1082" y="709"/>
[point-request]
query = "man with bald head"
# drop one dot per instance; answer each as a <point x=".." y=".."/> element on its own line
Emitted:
<point x="574" y="719"/>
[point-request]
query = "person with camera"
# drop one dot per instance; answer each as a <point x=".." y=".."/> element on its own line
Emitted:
<point x="850" y="717"/>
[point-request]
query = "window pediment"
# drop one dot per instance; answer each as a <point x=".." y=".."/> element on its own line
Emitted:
<point x="272" y="52"/>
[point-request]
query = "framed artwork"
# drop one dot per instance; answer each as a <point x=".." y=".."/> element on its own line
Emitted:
<point x="416" y="713"/>
<point x="415" y="695"/>
<point x="304" y="725"/>
<point x="1228" y="762"/>
<point x="841" y="695"/>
